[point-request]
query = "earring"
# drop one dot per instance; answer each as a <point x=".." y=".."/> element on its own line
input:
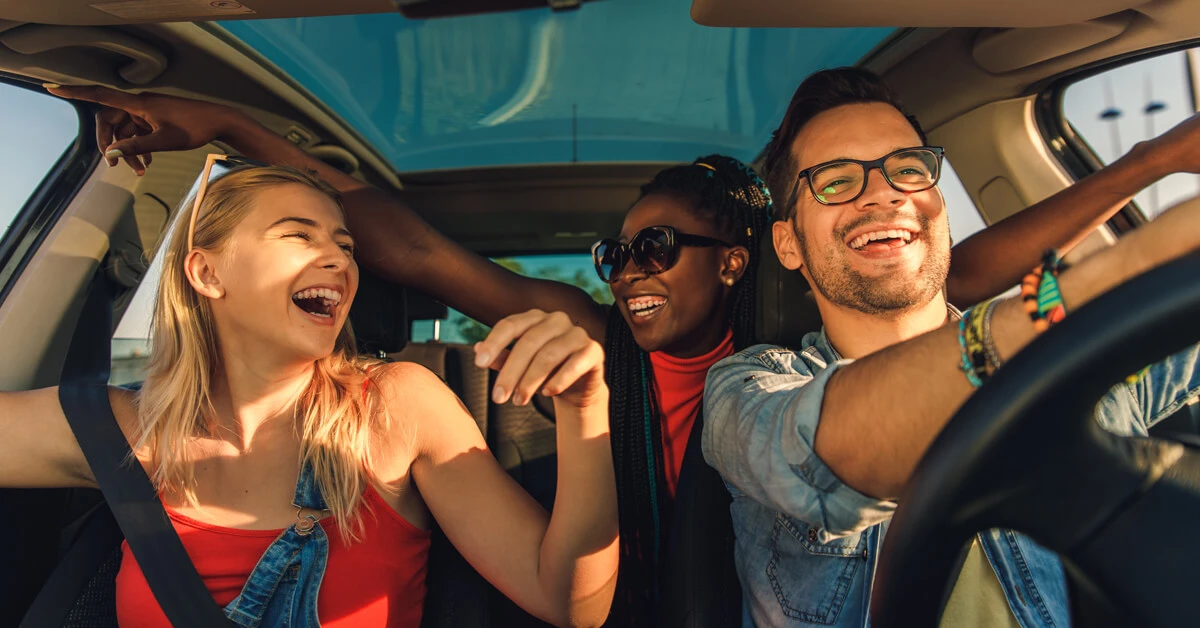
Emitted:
<point x="729" y="281"/>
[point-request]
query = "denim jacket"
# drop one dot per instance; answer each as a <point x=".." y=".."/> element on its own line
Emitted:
<point x="807" y="545"/>
<point x="282" y="590"/>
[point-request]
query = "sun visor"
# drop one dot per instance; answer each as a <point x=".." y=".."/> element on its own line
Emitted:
<point x="912" y="14"/>
<point x="1008" y="49"/>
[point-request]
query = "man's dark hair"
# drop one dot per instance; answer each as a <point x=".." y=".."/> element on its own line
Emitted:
<point x="825" y="90"/>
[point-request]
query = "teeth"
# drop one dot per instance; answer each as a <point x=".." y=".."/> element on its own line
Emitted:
<point x="319" y="293"/>
<point x="639" y="304"/>
<point x="867" y="238"/>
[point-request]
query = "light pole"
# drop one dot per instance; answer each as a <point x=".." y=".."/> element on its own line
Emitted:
<point x="1111" y="114"/>
<point x="1152" y="107"/>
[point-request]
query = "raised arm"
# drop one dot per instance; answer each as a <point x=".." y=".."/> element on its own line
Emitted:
<point x="562" y="567"/>
<point x="996" y="258"/>
<point x="38" y="448"/>
<point x="873" y="441"/>
<point x="392" y="239"/>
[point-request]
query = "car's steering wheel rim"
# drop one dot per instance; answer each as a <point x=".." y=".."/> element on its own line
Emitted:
<point x="974" y="478"/>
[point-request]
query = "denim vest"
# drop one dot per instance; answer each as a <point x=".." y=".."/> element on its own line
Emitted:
<point x="808" y="545"/>
<point x="282" y="590"/>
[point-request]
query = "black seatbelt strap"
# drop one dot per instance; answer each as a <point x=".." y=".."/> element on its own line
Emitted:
<point x="131" y="497"/>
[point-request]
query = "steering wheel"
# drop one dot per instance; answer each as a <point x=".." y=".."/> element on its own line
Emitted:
<point x="1025" y="453"/>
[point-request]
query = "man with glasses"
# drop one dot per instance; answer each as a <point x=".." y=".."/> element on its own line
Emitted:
<point x="816" y="441"/>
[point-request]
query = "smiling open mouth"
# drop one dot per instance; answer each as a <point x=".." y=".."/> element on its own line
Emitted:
<point x="642" y="307"/>
<point x="882" y="240"/>
<point x="319" y="302"/>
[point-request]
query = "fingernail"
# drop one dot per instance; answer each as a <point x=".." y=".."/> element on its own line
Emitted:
<point x="113" y="153"/>
<point x="546" y="392"/>
<point x="498" y="395"/>
<point x="51" y="85"/>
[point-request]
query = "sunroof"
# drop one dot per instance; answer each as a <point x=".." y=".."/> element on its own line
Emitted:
<point x="616" y="81"/>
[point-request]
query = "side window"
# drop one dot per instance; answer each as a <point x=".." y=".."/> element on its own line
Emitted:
<point x="37" y="129"/>
<point x="1113" y="110"/>
<point x="964" y="214"/>
<point x="131" y="340"/>
<point x="574" y="269"/>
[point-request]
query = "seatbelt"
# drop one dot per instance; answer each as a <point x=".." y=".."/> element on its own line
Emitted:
<point x="83" y="392"/>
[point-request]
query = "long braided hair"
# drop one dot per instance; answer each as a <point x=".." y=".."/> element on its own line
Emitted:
<point x="729" y="193"/>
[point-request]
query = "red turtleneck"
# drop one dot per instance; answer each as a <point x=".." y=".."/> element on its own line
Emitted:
<point x="679" y="387"/>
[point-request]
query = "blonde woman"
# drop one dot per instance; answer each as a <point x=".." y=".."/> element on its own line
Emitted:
<point x="255" y="400"/>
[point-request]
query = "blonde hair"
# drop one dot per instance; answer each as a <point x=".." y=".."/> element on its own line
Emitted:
<point x="336" y="418"/>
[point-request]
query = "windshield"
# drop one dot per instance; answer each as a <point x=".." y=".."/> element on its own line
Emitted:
<point x="615" y="81"/>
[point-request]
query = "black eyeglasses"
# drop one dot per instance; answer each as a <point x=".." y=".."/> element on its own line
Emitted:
<point x="844" y="180"/>
<point x="653" y="249"/>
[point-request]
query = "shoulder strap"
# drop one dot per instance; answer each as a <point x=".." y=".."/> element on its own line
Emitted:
<point x="133" y="500"/>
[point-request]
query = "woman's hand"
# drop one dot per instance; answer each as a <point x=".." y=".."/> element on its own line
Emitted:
<point x="549" y="353"/>
<point x="134" y="126"/>
<point x="561" y="568"/>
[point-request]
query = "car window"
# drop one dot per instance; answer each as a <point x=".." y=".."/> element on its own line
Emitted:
<point x="964" y="214"/>
<point x="131" y="340"/>
<point x="1113" y="110"/>
<point x="575" y="269"/>
<point x="37" y="129"/>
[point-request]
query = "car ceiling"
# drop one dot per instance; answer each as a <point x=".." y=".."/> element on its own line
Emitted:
<point x="942" y="70"/>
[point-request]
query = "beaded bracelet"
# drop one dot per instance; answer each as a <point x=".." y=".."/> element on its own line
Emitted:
<point x="965" y="364"/>
<point x="1040" y="292"/>
<point x="981" y="349"/>
<point x="989" y="345"/>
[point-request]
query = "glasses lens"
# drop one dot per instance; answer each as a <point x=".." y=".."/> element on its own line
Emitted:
<point x="652" y="251"/>
<point x="608" y="259"/>
<point x="912" y="170"/>
<point x="220" y="168"/>
<point x="837" y="183"/>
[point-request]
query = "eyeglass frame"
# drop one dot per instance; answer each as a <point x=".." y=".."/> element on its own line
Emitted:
<point x="867" y="166"/>
<point x="675" y="238"/>
<point x="205" y="179"/>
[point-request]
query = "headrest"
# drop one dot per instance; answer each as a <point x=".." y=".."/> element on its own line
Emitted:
<point x="383" y="313"/>
<point x="786" y="308"/>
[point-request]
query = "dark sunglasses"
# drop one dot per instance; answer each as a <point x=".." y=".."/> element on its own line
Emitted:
<point x="653" y="249"/>
<point x="215" y="166"/>
<point x="844" y="180"/>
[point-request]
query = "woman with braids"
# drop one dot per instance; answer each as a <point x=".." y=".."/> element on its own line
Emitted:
<point x="682" y="274"/>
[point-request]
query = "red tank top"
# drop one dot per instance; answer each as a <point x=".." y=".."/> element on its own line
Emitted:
<point x="376" y="581"/>
<point x="679" y="387"/>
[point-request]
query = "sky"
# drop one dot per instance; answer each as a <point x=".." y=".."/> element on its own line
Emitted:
<point x="37" y="129"/>
<point x="1159" y="85"/>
